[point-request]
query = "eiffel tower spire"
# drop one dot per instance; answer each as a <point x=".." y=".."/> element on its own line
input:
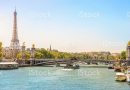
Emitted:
<point x="15" y="34"/>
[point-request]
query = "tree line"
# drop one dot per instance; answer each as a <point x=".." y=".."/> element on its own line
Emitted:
<point x="55" y="54"/>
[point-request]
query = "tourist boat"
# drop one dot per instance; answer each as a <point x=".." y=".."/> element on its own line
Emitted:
<point x="128" y="76"/>
<point x="121" y="77"/>
<point x="76" y="66"/>
<point x="70" y="66"/>
<point x="110" y="67"/>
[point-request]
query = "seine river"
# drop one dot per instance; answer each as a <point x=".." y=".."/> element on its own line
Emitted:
<point x="52" y="78"/>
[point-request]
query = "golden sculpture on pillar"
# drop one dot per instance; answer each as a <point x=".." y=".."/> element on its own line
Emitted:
<point x="33" y="45"/>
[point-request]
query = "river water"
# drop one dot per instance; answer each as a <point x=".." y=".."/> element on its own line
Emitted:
<point x="53" y="78"/>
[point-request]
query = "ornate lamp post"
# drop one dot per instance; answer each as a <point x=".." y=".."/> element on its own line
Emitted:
<point x="33" y="52"/>
<point x="1" y="53"/>
<point x="23" y="51"/>
<point x="128" y="54"/>
<point x="32" y="62"/>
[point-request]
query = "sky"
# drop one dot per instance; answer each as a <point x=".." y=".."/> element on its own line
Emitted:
<point x="68" y="25"/>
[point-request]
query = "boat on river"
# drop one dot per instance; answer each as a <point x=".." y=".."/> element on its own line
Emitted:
<point x="128" y="76"/>
<point x="121" y="77"/>
<point x="70" y="66"/>
<point x="110" y="67"/>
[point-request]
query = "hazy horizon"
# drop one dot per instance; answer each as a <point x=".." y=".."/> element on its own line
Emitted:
<point x="68" y="25"/>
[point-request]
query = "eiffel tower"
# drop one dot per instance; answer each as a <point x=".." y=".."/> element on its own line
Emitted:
<point x="14" y="45"/>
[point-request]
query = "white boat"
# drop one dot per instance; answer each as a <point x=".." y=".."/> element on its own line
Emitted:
<point x="128" y="76"/>
<point x="121" y="77"/>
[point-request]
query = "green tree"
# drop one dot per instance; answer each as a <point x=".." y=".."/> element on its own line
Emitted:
<point x="23" y="55"/>
<point x="39" y="55"/>
<point x="110" y="57"/>
<point x="55" y="54"/>
<point x="123" y="55"/>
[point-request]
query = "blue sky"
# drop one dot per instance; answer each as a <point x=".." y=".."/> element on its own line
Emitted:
<point x="68" y="25"/>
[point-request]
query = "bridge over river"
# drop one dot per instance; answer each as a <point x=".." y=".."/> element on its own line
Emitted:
<point x="43" y="62"/>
